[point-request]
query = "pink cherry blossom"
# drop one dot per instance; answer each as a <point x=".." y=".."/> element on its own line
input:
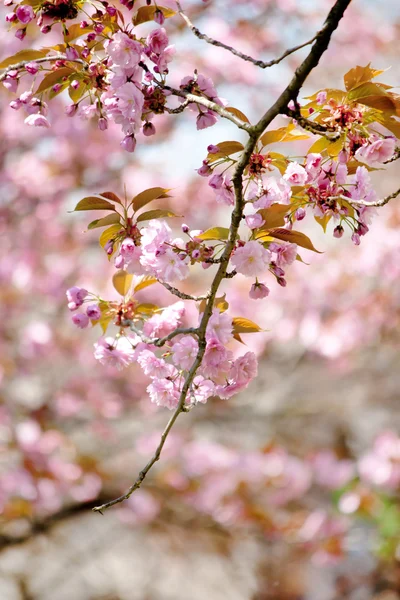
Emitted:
<point x="251" y="259"/>
<point x="220" y="327"/>
<point x="377" y="152"/>
<point x="114" y="353"/>
<point x="163" y="392"/>
<point x="80" y="320"/>
<point x="37" y="120"/>
<point x="285" y="253"/>
<point x="254" y="221"/>
<point x="184" y="352"/>
<point x="124" y="51"/>
<point x="295" y="174"/>
<point x="258" y="291"/>
<point x="216" y="362"/>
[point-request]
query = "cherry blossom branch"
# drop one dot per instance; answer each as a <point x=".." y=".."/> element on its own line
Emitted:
<point x="324" y="130"/>
<point x="396" y="156"/>
<point x="180" y="294"/>
<point x="22" y="64"/>
<point x="319" y="46"/>
<point x="311" y="61"/>
<point x="377" y="203"/>
<point x="210" y="105"/>
<point x="258" y="63"/>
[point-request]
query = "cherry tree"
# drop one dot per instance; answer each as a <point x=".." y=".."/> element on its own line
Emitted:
<point x="190" y="350"/>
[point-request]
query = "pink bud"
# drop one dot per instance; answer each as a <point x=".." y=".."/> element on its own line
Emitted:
<point x="84" y="24"/>
<point x="32" y="68"/>
<point x="15" y="104"/>
<point x="148" y="129"/>
<point x="338" y="232"/>
<point x="90" y="37"/>
<point x="119" y="262"/>
<point x="56" y="87"/>
<point x="282" y="281"/>
<point x="111" y="10"/>
<point x="45" y="29"/>
<point x="300" y="213"/>
<point x="93" y="312"/>
<point x="25" y="13"/>
<point x="80" y="320"/>
<point x="211" y="149"/>
<point x="102" y="124"/>
<point x="185" y="228"/>
<point x="128" y="143"/>
<point x="75" y="84"/>
<point x="356" y="239"/>
<point x="71" y="53"/>
<point x="159" y="17"/>
<point x="37" y="120"/>
<point x="205" y="170"/>
<point x="258" y="291"/>
<point x="20" y="34"/>
<point x="71" y="109"/>
<point x="11" y="17"/>
<point x="99" y="27"/>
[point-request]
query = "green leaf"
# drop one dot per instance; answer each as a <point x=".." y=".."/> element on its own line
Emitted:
<point x="146" y="13"/>
<point x="122" y="282"/>
<point x="359" y="75"/>
<point x="158" y="213"/>
<point x="273" y="216"/>
<point x="147" y="196"/>
<point x="242" y="325"/>
<point x="144" y="283"/>
<point x="93" y="203"/>
<point x="238" y="113"/>
<point x="53" y="78"/>
<point x="294" y="237"/>
<point x="108" y="220"/>
<point x="225" y="149"/>
<point x="23" y="55"/>
<point x="215" y="233"/>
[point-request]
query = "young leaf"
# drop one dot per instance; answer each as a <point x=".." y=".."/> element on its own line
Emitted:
<point x="215" y="233"/>
<point x="109" y="234"/>
<point x="221" y="303"/>
<point x="147" y="196"/>
<point x="23" y="55"/>
<point x="319" y="146"/>
<point x="359" y="75"/>
<point x="146" y="13"/>
<point x="108" y="220"/>
<point x="242" y="325"/>
<point x="122" y="282"/>
<point x="238" y="113"/>
<point x="146" y="308"/>
<point x="144" y="283"/>
<point x="93" y="203"/>
<point x="323" y="221"/>
<point x="334" y="148"/>
<point x="75" y="31"/>
<point x="54" y="77"/>
<point x="158" y="213"/>
<point x="111" y="196"/>
<point x="226" y="149"/>
<point x="283" y="134"/>
<point x="273" y="216"/>
<point x="294" y="237"/>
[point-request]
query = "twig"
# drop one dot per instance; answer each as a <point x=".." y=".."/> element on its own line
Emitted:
<point x="180" y="294"/>
<point x="380" y="202"/>
<point x="210" y="105"/>
<point x="23" y="63"/>
<point x="179" y="109"/>
<point x="329" y="132"/>
<point x="179" y="331"/>
<point x="396" y="156"/>
<point x="258" y="63"/>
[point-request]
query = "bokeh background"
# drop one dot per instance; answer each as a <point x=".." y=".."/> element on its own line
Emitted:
<point x="287" y="492"/>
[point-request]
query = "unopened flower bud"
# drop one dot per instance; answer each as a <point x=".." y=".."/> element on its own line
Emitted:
<point x="159" y="17"/>
<point x="93" y="312"/>
<point x="128" y="143"/>
<point x="338" y="232"/>
<point x="282" y="281"/>
<point x="300" y="213"/>
<point x="80" y="320"/>
<point x="102" y="124"/>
